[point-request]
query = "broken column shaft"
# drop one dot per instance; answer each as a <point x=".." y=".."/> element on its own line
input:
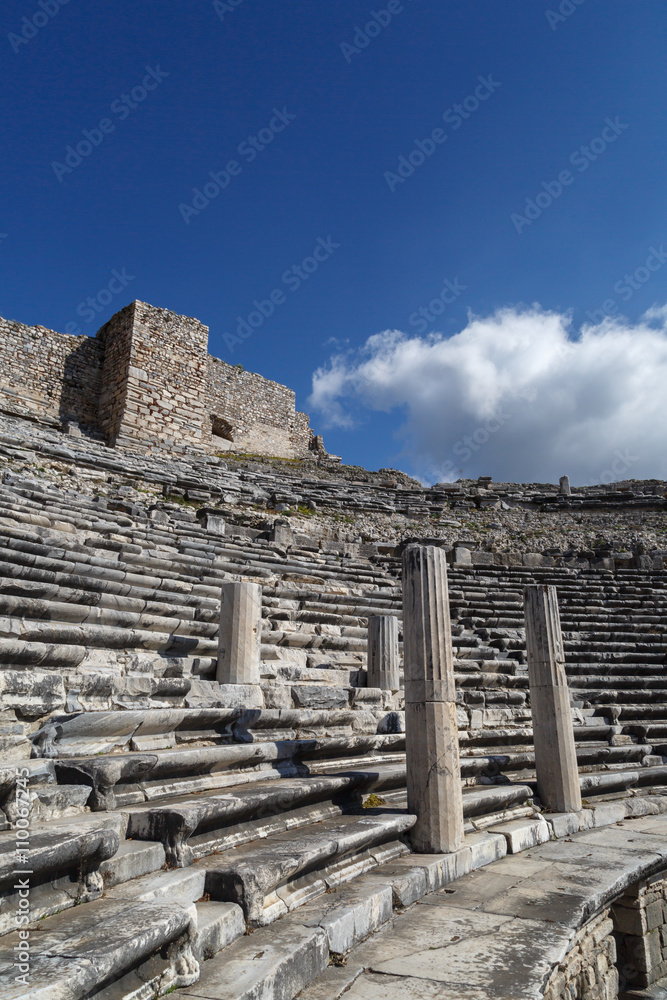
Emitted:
<point x="431" y="731"/>
<point x="240" y="633"/>
<point x="382" y="667"/>
<point x="553" y="735"/>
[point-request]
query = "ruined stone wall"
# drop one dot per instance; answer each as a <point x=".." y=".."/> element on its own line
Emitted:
<point x="640" y="920"/>
<point x="251" y="413"/>
<point x="302" y="434"/>
<point x="49" y="376"/>
<point x="147" y="382"/>
<point x="155" y="379"/>
<point x="116" y="340"/>
<point x="588" y="971"/>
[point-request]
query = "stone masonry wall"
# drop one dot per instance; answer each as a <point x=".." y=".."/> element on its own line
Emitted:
<point x="302" y="435"/>
<point x="253" y="413"/>
<point x="588" y="971"/>
<point x="49" y="376"/>
<point x="155" y="379"/>
<point x="116" y="340"/>
<point x="640" y="919"/>
<point x="147" y="382"/>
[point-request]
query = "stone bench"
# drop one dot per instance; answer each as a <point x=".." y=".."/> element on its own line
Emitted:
<point x="123" y="777"/>
<point x="62" y="865"/>
<point x="284" y="871"/>
<point x="77" y="953"/>
<point x="176" y="823"/>
<point x="89" y="733"/>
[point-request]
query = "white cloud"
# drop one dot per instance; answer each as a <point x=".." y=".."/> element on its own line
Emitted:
<point x="518" y="395"/>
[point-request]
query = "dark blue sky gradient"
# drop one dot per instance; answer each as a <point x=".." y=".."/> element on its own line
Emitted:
<point x="323" y="175"/>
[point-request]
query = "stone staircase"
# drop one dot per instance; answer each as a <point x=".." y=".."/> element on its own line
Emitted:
<point x="173" y="819"/>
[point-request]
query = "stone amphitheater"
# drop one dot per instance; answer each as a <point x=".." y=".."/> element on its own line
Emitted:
<point x="204" y="786"/>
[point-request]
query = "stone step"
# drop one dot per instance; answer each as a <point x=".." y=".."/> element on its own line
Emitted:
<point x="78" y="953"/>
<point x="281" y="960"/>
<point x="105" y="637"/>
<point x="210" y="557"/>
<point x="491" y="765"/>
<point x="575" y="671"/>
<point x="62" y="847"/>
<point x="132" y="860"/>
<point x="284" y="871"/>
<point x="61" y="573"/>
<point x="632" y="696"/>
<point x="602" y="655"/>
<point x="629" y="712"/>
<point x="90" y="733"/>
<point x="275" y="962"/>
<point x="132" y="776"/>
<point x="620" y="780"/>
<point x="308" y="640"/>
<point x="62" y="863"/>
<point x="189" y="827"/>
<point x="465" y="934"/>
<point x="120" y="780"/>
<point x="218" y="926"/>
<point x="33" y="610"/>
<point x="194" y="827"/>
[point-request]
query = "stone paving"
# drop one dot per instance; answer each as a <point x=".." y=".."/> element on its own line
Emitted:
<point x="499" y="932"/>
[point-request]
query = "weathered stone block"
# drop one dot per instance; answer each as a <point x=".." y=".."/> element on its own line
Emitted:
<point x="240" y="633"/>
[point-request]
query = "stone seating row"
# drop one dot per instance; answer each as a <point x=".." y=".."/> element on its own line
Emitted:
<point x="293" y="641"/>
<point x="125" y="936"/>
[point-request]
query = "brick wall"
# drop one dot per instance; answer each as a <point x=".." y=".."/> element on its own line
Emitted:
<point x="302" y="435"/>
<point x="49" y="376"/>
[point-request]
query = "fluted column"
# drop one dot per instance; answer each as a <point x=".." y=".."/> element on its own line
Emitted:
<point x="553" y="735"/>
<point x="431" y="731"/>
<point x="382" y="666"/>
<point x="240" y="637"/>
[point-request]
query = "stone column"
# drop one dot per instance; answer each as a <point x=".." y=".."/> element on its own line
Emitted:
<point x="565" y="486"/>
<point x="431" y="731"/>
<point x="553" y="735"/>
<point x="382" y="665"/>
<point x="240" y="633"/>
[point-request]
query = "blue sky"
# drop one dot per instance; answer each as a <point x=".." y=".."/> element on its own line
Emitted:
<point x="335" y="112"/>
